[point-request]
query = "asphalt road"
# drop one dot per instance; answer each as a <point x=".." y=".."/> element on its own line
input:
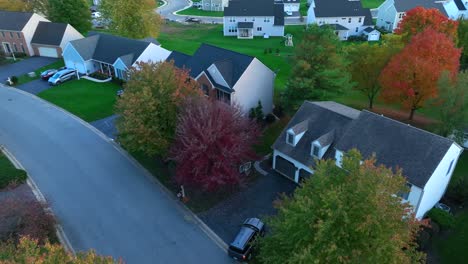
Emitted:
<point x="102" y="199"/>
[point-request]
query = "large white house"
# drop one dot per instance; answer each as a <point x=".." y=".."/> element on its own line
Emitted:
<point x="246" y="19"/>
<point x="326" y="130"/>
<point x="391" y="12"/>
<point x="347" y="17"/>
<point x="229" y="76"/>
<point x="214" y="5"/>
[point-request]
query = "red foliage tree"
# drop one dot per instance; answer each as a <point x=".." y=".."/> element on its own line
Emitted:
<point x="212" y="140"/>
<point x="419" y="19"/>
<point x="410" y="78"/>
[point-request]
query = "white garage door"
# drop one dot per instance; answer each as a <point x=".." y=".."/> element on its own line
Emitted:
<point x="48" y="52"/>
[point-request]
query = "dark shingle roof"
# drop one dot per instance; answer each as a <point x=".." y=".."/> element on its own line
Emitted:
<point x="395" y="144"/>
<point x="108" y="48"/>
<point x="256" y="8"/>
<point x="49" y="33"/>
<point x="460" y="5"/>
<point x="323" y="118"/>
<point x="339" y="8"/>
<point x="245" y="25"/>
<point x="230" y="64"/>
<point x="369" y="29"/>
<point x="14" y="21"/>
<point x="405" y="5"/>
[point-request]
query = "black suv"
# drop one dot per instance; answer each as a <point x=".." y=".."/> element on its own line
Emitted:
<point x="242" y="247"/>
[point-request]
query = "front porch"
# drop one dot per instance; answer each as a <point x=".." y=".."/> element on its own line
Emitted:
<point x="245" y="30"/>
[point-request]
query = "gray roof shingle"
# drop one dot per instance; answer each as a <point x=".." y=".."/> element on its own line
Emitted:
<point x="406" y="5"/>
<point x="49" y="33"/>
<point x="14" y="21"/>
<point x="339" y="8"/>
<point x="256" y="8"/>
<point x="415" y="151"/>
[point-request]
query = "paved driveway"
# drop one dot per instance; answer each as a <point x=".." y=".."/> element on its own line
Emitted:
<point x="102" y="199"/>
<point x="35" y="86"/>
<point x="24" y="66"/>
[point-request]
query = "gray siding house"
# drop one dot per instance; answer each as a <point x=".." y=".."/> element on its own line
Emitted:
<point x="229" y="76"/>
<point x="248" y="18"/>
<point x="326" y="130"/>
<point x="214" y="5"/>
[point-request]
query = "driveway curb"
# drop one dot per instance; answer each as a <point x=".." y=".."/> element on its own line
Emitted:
<point x="182" y="207"/>
<point x="40" y="197"/>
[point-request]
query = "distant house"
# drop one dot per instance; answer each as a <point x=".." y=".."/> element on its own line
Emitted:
<point x="246" y="18"/>
<point x="326" y="130"/>
<point x="291" y="5"/>
<point x="346" y="17"/>
<point x="32" y="34"/>
<point x="214" y="5"/>
<point x="391" y="12"/>
<point x="229" y="76"/>
<point x="111" y="55"/>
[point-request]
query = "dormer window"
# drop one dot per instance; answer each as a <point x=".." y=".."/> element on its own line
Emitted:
<point x="290" y="138"/>
<point x="315" y="151"/>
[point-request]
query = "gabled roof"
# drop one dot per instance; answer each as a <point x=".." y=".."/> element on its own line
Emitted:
<point x="369" y="29"/>
<point x="406" y="5"/>
<point x="49" y="33"/>
<point x="108" y="48"/>
<point x="264" y="8"/>
<point x="230" y="64"/>
<point x="339" y="8"/>
<point x="395" y="144"/>
<point x="14" y="21"/>
<point x="321" y="118"/>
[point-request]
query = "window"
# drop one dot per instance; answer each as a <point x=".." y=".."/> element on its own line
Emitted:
<point x="11" y="34"/>
<point x="290" y="139"/>
<point x="357" y="29"/>
<point x="450" y="168"/>
<point x="253" y="19"/>
<point x="223" y="96"/>
<point x="349" y="20"/>
<point x="259" y="28"/>
<point x="22" y="48"/>
<point x="267" y="19"/>
<point x="315" y="150"/>
<point x="15" y="48"/>
<point x="18" y="34"/>
<point x="360" y="19"/>
<point x="205" y="89"/>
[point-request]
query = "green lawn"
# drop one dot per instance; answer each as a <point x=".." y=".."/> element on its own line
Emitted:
<point x="89" y="100"/>
<point x="453" y="248"/>
<point x="55" y="65"/>
<point x="270" y="135"/>
<point x="193" y="11"/>
<point x="187" y="38"/>
<point x="8" y="172"/>
<point x="372" y="3"/>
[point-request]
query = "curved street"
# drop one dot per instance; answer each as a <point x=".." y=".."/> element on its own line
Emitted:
<point x="102" y="199"/>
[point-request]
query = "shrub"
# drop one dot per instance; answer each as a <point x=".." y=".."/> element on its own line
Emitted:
<point x="357" y="38"/>
<point x="20" y="54"/>
<point x="270" y="118"/>
<point x="259" y="111"/>
<point x="458" y="190"/>
<point x="424" y="239"/>
<point x="444" y="219"/>
<point x="99" y="75"/>
<point x="278" y="111"/>
<point x="14" y="80"/>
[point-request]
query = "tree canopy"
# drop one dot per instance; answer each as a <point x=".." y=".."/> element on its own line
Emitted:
<point x="133" y="19"/>
<point x="344" y="215"/>
<point x="411" y="76"/>
<point x="463" y="43"/>
<point x="319" y="69"/>
<point x="148" y="108"/>
<point x="73" y="12"/>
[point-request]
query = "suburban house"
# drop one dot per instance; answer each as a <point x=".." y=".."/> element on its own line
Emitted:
<point x="391" y="12"/>
<point x="246" y="19"/>
<point x="32" y="34"/>
<point x="214" y="5"/>
<point x="291" y="5"/>
<point x="346" y="17"/>
<point x="111" y="55"/>
<point x="326" y="130"/>
<point x="230" y="76"/>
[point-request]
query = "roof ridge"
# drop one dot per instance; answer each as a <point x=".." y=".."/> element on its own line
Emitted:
<point x="406" y="124"/>
<point x="231" y="51"/>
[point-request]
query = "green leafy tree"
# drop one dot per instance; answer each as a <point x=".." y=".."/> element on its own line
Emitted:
<point x="463" y="43"/>
<point x="30" y="251"/>
<point x="452" y="105"/>
<point x="367" y="62"/>
<point x="134" y="19"/>
<point x="73" y="12"/>
<point x="319" y="68"/>
<point x="148" y="108"/>
<point x="344" y="215"/>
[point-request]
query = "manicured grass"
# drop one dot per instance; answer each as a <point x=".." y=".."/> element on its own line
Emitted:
<point x="371" y="3"/>
<point x="55" y="65"/>
<point x="453" y="247"/>
<point x="187" y="38"/>
<point x="8" y="172"/>
<point x="270" y="135"/>
<point x="89" y="100"/>
<point x="462" y="168"/>
<point x="193" y="11"/>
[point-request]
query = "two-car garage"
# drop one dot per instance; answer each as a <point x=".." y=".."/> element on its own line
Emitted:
<point x="50" y="39"/>
<point x="291" y="169"/>
<point x="48" y="52"/>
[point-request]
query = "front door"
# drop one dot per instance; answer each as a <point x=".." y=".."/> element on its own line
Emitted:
<point x="7" y="47"/>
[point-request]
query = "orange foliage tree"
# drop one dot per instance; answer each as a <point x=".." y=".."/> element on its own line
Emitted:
<point x="418" y="19"/>
<point x="411" y="76"/>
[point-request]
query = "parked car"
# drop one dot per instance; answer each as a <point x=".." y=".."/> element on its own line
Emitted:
<point x="241" y="248"/>
<point x="443" y="207"/>
<point x="62" y="76"/>
<point x="45" y="75"/>
<point x="192" y="20"/>
<point x="96" y="15"/>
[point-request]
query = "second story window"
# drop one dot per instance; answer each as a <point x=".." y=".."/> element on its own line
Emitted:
<point x="315" y="151"/>
<point x="360" y="19"/>
<point x="290" y="139"/>
<point x="449" y="168"/>
<point x="349" y="20"/>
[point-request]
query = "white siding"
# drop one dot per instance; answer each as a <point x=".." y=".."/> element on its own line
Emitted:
<point x="218" y="78"/>
<point x="257" y="83"/>
<point x="338" y="157"/>
<point x="437" y="184"/>
<point x="387" y="16"/>
<point x="415" y="196"/>
<point x="153" y="53"/>
<point x="265" y="23"/>
<point x="30" y="28"/>
<point x="70" y="34"/>
<point x="297" y="164"/>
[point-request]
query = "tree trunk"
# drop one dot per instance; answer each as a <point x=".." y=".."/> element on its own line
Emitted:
<point x="412" y="113"/>
<point x="371" y="103"/>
